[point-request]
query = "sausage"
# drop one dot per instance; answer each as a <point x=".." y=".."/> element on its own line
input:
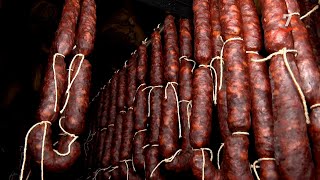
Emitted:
<point x="168" y="134"/>
<point x="86" y="28"/>
<point x="104" y="120"/>
<point x="201" y="116"/>
<point x="262" y="119"/>
<point x="181" y="162"/>
<point x="79" y="100"/>
<point x="112" y="114"/>
<point x="197" y="166"/>
<point x="65" y="34"/>
<point x="48" y="93"/>
<point x="221" y="93"/>
<point x="140" y="110"/>
<point x="237" y="91"/>
<point x="309" y="75"/>
<point x="290" y="129"/>
<point x="156" y="95"/>
<point x="202" y="31"/>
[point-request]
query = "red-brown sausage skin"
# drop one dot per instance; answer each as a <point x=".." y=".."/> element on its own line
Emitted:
<point x="156" y="79"/>
<point x="292" y="149"/>
<point x="86" y="28"/>
<point x="202" y="31"/>
<point x="65" y="34"/>
<point x="48" y="94"/>
<point x="140" y="110"/>
<point x="75" y="112"/>
<point x="181" y="162"/>
<point x="197" y="166"/>
<point x="201" y="117"/>
<point x="168" y="135"/>
<point x="112" y="113"/>
<point x="309" y="75"/>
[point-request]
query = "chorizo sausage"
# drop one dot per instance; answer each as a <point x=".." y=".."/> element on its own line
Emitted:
<point x="290" y="129"/>
<point x="309" y="75"/>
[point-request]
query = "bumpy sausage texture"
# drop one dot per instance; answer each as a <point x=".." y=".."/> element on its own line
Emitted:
<point x="168" y="135"/>
<point x="221" y="94"/>
<point x="112" y="113"/>
<point x="156" y="96"/>
<point x="65" y="34"/>
<point x="181" y="162"/>
<point x="121" y="114"/>
<point x="309" y="75"/>
<point x="79" y="100"/>
<point x="238" y="92"/>
<point x="140" y="110"/>
<point x="261" y="103"/>
<point x="86" y="28"/>
<point x="292" y="150"/>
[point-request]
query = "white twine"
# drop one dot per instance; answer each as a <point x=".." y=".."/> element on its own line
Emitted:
<point x="189" y="106"/>
<point x="218" y="155"/>
<point x="149" y="96"/>
<point x="145" y="146"/>
<point x="254" y="165"/>
<point x="167" y="160"/>
<point x="71" y="142"/>
<point x="55" y="79"/>
<point x="221" y="56"/>
<point x="177" y="102"/>
<point x="70" y="82"/>
<point x="42" y="147"/>
<point x="123" y="112"/>
<point x="113" y="168"/>
<point x="98" y="171"/>
<point x="252" y="52"/>
<point x="212" y="69"/>
<point x="190" y="60"/>
<point x="134" y="169"/>
<point x="142" y="130"/>
<point x="157" y="28"/>
<point x="203" y="158"/>
<point x="103" y="129"/>
<point x="126" y="161"/>
<point x="289" y="16"/>
<point x="144" y="42"/>
<point x="314" y="106"/>
<point x="311" y="11"/>
<point x="240" y="133"/>
<point x="284" y="52"/>
<point x="134" y="98"/>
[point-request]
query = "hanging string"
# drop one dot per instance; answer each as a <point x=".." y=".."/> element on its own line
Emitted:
<point x="254" y="165"/>
<point x="190" y="60"/>
<point x="189" y="107"/>
<point x="167" y="160"/>
<point x="149" y="96"/>
<point x="289" y="16"/>
<point x="70" y="82"/>
<point x="55" y="79"/>
<point x="212" y="69"/>
<point x="218" y="155"/>
<point x="177" y="102"/>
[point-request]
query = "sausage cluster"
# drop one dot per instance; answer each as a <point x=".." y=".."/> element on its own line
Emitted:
<point x="226" y="86"/>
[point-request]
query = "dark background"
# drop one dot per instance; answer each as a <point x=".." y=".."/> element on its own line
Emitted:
<point x="27" y="30"/>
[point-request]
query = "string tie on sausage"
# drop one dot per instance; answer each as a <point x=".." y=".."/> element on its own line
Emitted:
<point x="126" y="162"/>
<point x="203" y="158"/>
<point x="157" y="28"/>
<point x="113" y="168"/>
<point x="216" y="77"/>
<point x="71" y="142"/>
<point x="103" y="129"/>
<point x="189" y="107"/>
<point x="55" y="78"/>
<point x="221" y="55"/>
<point x="85" y="145"/>
<point x="190" y="60"/>
<point x="289" y="16"/>
<point x="214" y="92"/>
<point x="252" y="52"/>
<point x="177" y="102"/>
<point x="98" y="171"/>
<point x="149" y="96"/>
<point x="254" y="165"/>
<point x="284" y="52"/>
<point x="315" y="106"/>
<point x="145" y="146"/>
<point x="130" y="108"/>
<point x="70" y="81"/>
<point x="218" y="155"/>
<point x="144" y="42"/>
<point x="134" y="98"/>
<point x="123" y="112"/>
<point x="311" y="11"/>
<point x="142" y="130"/>
<point x="240" y="133"/>
<point x="167" y="160"/>
<point x="111" y="125"/>
<point x="42" y="147"/>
